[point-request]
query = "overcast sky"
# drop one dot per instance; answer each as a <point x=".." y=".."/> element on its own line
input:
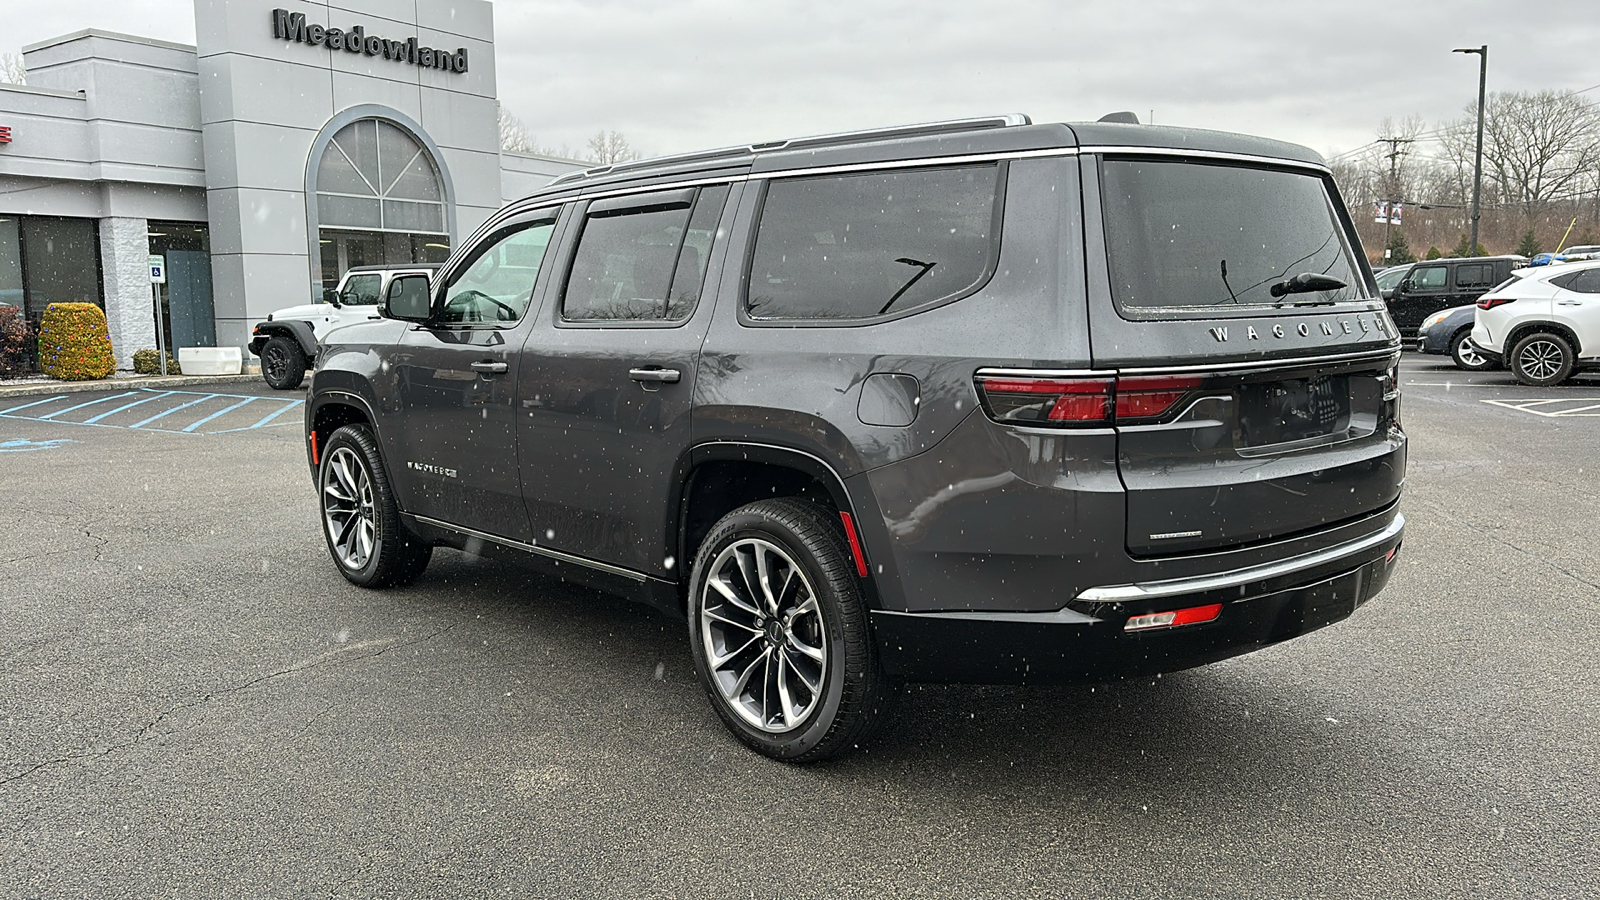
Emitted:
<point x="678" y="76"/>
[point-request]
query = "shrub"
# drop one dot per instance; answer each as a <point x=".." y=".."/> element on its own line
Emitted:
<point x="74" y="344"/>
<point x="16" y="348"/>
<point x="1434" y="253"/>
<point x="148" y="362"/>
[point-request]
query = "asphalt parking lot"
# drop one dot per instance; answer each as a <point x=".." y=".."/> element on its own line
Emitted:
<point x="197" y="705"/>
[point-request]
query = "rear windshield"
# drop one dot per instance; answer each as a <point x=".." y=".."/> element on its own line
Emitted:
<point x="1185" y="235"/>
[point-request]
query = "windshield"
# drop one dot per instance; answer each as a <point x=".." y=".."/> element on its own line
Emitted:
<point x="1188" y="235"/>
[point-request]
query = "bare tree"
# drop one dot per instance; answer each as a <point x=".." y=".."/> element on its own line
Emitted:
<point x="12" y="69"/>
<point x="514" y="137"/>
<point x="1537" y="147"/>
<point x="611" y="147"/>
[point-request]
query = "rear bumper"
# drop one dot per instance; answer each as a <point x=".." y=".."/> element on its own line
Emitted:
<point x="1496" y="358"/>
<point x="1086" y="640"/>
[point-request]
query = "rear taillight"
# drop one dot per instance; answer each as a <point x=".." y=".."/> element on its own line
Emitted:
<point x="1488" y="302"/>
<point x="1065" y="401"/>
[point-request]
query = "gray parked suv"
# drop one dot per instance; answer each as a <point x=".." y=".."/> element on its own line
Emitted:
<point x="982" y="401"/>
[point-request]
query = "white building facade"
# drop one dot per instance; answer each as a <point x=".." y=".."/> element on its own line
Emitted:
<point x="295" y="140"/>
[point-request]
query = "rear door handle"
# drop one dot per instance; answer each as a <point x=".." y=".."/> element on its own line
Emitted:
<point x="490" y="368"/>
<point x="657" y="375"/>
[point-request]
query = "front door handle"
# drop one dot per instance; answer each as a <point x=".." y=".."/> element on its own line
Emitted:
<point x="656" y="375"/>
<point x="490" y="368"/>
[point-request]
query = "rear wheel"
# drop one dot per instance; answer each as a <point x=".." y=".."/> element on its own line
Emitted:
<point x="283" y="363"/>
<point x="360" y="520"/>
<point x="1542" y="359"/>
<point x="1466" y="356"/>
<point x="779" y="633"/>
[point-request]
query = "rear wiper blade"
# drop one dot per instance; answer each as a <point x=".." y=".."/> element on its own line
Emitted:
<point x="1306" y="282"/>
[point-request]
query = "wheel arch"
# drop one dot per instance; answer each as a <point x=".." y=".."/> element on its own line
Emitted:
<point x="721" y="476"/>
<point x="331" y="410"/>
<point x="1556" y="328"/>
<point x="294" y="329"/>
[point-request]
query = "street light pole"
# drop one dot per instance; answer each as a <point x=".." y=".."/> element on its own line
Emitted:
<point x="1477" y="163"/>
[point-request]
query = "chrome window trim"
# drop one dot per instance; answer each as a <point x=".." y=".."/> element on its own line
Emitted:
<point x="1113" y="150"/>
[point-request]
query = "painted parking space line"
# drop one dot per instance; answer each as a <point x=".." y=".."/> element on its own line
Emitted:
<point x="1587" y="407"/>
<point x="167" y="411"/>
<point x="221" y="412"/>
<point x="155" y="396"/>
<point x="34" y="403"/>
<point x="162" y="415"/>
<point x="266" y="420"/>
<point x="48" y="416"/>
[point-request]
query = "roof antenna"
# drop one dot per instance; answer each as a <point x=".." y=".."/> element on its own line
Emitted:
<point x="1122" y="118"/>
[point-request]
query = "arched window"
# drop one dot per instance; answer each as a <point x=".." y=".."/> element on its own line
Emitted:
<point x="376" y="177"/>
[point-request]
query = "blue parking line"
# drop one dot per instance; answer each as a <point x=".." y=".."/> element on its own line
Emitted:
<point x="203" y="398"/>
<point x="192" y="426"/>
<point x="154" y="395"/>
<point x="267" y="418"/>
<point x="34" y="403"/>
<point x="58" y="412"/>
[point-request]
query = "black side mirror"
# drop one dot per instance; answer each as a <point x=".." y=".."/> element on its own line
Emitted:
<point x="330" y="295"/>
<point x="407" y="299"/>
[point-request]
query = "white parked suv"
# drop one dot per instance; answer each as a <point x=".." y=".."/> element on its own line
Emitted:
<point x="1543" y="324"/>
<point x="287" y="341"/>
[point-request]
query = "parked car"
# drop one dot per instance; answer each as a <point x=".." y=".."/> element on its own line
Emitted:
<point x="287" y="341"/>
<point x="1390" y="277"/>
<point x="975" y="401"/>
<point x="1437" y="284"/>
<point x="1544" y="325"/>
<point x="1449" y="332"/>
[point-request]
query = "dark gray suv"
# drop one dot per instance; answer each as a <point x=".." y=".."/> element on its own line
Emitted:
<point x="979" y="401"/>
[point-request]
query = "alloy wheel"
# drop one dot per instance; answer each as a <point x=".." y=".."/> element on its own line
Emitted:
<point x="347" y="508"/>
<point x="1468" y="355"/>
<point x="1540" y="359"/>
<point x="764" y="637"/>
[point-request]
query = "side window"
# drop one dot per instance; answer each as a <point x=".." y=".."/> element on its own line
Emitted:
<point x="1429" y="278"/>
<point x="643" y="258"/>
<point x="1477" y="275"/>
<point x="495" y="284"/>
<point x="1584" y="282"/>
<point x="863" y="245"/>
<point x="361" y="290"/>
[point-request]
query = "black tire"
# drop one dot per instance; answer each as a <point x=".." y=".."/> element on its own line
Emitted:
<point x="360" y="521"/>
<point x="851" y="697"/>
<point x="1542" y="359"/>
<point x="283" y="363"/>
<point x="1465" y="357"/>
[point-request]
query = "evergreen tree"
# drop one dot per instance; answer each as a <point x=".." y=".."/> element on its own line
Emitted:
<point x="1434" y="253"/>
<point x="1399" y="251"/>
<point x="1530" y="245"/>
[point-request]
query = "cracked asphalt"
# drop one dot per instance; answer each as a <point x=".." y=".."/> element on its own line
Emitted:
<point x="195" y="704"/>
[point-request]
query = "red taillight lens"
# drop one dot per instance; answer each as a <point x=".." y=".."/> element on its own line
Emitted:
<point x="1149" y="397"/>
<point x="1062" y="401"/>
<point x="1487" y="302"/>
<point x="1194" y="615"/>
<point x="1047" y="401"/>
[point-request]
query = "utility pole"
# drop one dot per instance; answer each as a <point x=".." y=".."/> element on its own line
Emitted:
<point x="1477" y="165"/>
<point x="1393" y="185"/>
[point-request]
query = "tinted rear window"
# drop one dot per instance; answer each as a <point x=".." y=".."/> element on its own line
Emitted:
<point x="879" y="243"/>
<point x="1174" y="227"/>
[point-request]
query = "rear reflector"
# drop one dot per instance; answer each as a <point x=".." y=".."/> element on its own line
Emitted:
<point x="1194" y="615"/>
<point x="855" y="544"/>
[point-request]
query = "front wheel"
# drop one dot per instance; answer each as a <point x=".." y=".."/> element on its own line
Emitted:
<point x="779" y="633"/>
<point x="1465" y="355"/>
<point x="360" y="519"/>
<point x="1542" y="359"/>
<point x="283" y="363"/>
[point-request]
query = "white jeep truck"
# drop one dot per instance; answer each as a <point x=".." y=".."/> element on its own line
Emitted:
<point x="287" y="341"/>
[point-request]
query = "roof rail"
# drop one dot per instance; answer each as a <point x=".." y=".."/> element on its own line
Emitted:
<point x="820" y="140"/>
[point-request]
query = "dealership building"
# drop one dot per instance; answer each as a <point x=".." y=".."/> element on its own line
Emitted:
<point x="293" y="141"/>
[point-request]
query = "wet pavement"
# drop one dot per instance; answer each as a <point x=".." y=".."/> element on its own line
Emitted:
<point x="197" y="705"/>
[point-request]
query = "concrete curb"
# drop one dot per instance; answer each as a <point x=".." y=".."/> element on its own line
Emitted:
<point x="122" y="383"/>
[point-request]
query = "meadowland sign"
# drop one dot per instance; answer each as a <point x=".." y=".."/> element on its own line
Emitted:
<point x="292" y="27"/>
